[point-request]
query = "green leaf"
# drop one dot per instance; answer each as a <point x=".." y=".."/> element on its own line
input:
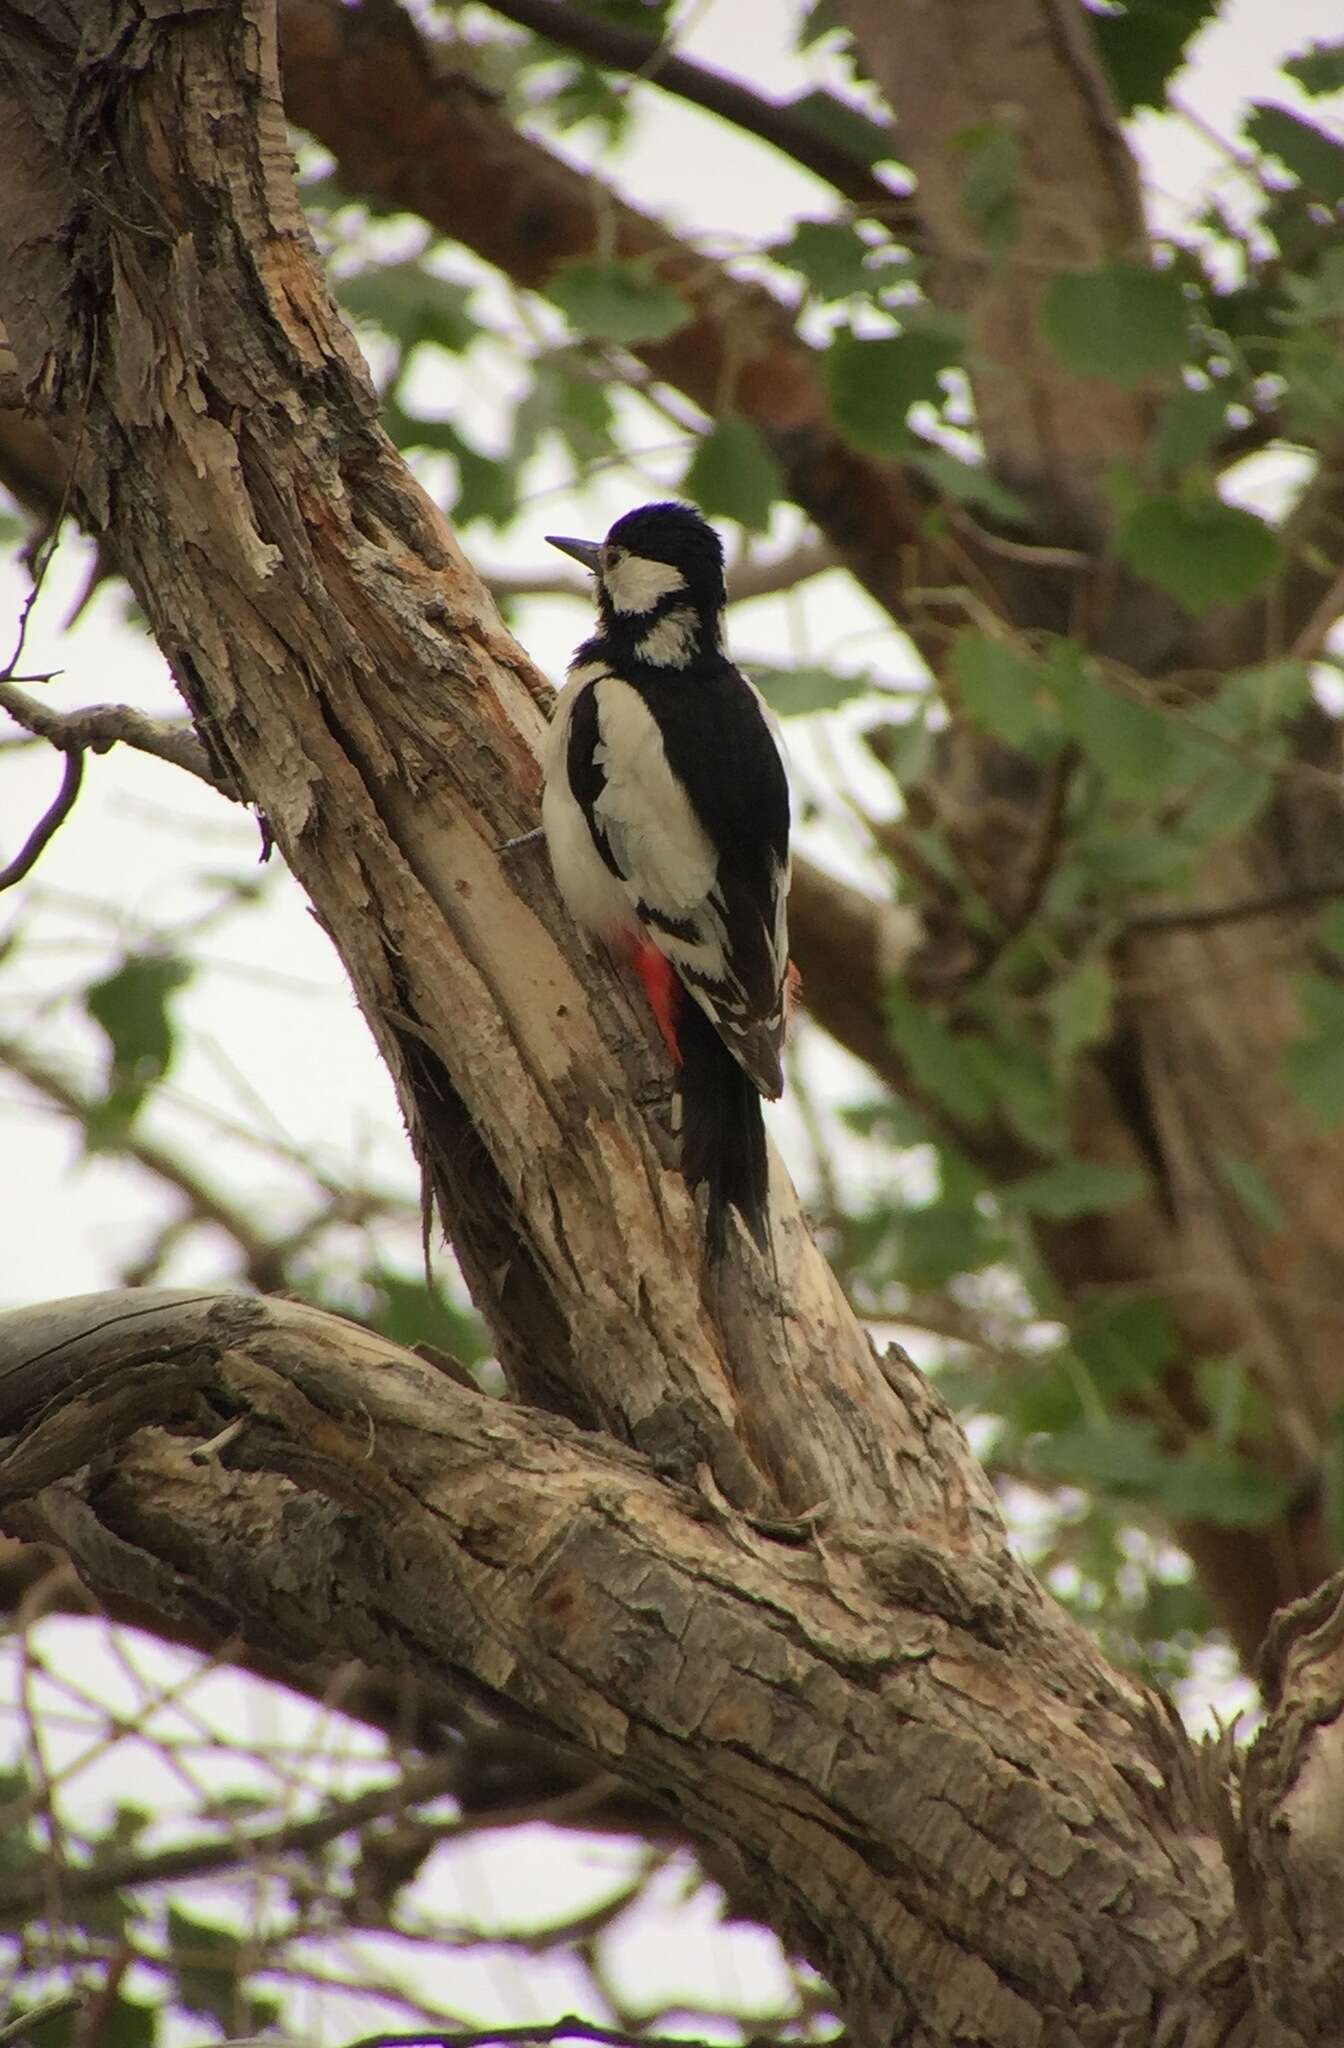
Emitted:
<point x="1124" y="322"/>
<point x="1253" y="703"/>
<point x="1313" y="1064"/>
<point x="617" y="302"/>
<point x="968" y="482"/>
<point x="1079" y="1007"/>
<point x="1004" y="691"/>
<point x="989" y="187"/>
<point x="937" y="1057"/>
<point x="801" y="692"/>
<point x="1143" y="43"/>
<point x="1199" y="550"/>
<point x="1188" y="429"/>
<point x="1306" y="152"/>
<point x="1022" y="1083"/>
<point x="1076" y="1187"/>
<point x="1330" y="931"/>
<point x="1321" y="1001"/>
<point x="1137" y="749"/>
<point x="934" y="1243"/>
<point x="903" y="746"/>
<point x="1251" y="1189"/>
<point x="410" y="1312"/>
<point x="1217" y="1486"/>
<point x="411" y="304"/>
<point x="1228" y="799"/>
<point x="1118" y="1455"/>
<point x="132" y="1009"/>
<point x="828" y="255"/>
<point x="578" y="408"/>
<point x="487" y="485"/>
<point x="1319" y="69"/>
<point x="872" y="384"/>
<point x="1313" y="372"/>
<point x="1203" y="1485"/>
<point x="584" y="93"/>
<point x="207" y="1960"/>
<point x="734" y="474"/>
<point x="1318" y="294"/>
<point x="1125" y="1345"/>
<point x="1232" y="1400"/>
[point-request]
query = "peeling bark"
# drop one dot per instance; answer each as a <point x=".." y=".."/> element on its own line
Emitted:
<point x="1184" y="1084"/>
<point x="921" y="1770"/>
<point x="890" y="1741"/>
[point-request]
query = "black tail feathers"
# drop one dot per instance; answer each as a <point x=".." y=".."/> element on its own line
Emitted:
<point x="722" y="1132"/>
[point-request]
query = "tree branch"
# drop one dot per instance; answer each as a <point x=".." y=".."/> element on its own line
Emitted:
<point x="263" y="1260"/>
<point x="375" y="1504"/>
<point x="653" y="62"/>
<point x="50" y="823"/>
<point x="100" y="727"/>
<point x="748" y="579"/>
<point x="24" y="1891"/>
<point x="567" y="2029"/>
<point x="1029" y="66"/>
<point x="360" y="78"/>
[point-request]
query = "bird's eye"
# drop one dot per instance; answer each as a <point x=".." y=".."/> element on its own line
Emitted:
<point x="612" y="557"/>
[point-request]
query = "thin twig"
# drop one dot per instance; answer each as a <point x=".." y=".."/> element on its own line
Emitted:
<point x="26" y="1889"/>
<point x="48" y="551"/>
<point x="1198" y="917"/>
<point x="1312" y="638"/>
<point x="263" y="1260"/>
<point x="745" y="580"/>
<point x="570" y="2028"/>
<point x="54" y="2009"/>
<point x="97" y="2016"/>
<point x="49" y="824"/>
<point x="102" y="726"/>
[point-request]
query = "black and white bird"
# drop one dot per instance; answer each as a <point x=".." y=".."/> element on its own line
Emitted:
<point x="666" y="814"/>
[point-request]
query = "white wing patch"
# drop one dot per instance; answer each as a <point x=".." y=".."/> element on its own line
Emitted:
<point x="655" y="837"/>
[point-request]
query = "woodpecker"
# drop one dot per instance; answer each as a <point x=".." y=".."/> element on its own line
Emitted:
<point x="666" y="815"/>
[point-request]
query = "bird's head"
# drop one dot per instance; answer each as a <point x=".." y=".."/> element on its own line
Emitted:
<point x="660" y="586"/>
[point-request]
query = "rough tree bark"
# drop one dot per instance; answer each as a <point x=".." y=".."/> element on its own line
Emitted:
<point x="1189" y="1075"/>
<point x="920" y="1771"/>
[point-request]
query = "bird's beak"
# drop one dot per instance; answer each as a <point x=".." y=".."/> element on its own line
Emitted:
<point x="589" y="552"/>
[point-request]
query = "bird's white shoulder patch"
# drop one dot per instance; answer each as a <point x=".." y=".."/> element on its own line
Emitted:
<point x="635" y="585"/>
<point x="668" y="643"/>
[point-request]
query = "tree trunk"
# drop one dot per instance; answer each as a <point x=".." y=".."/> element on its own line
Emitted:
<point x="739" y="1560"/>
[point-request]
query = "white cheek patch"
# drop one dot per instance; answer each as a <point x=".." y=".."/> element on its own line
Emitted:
<point x="634" y="585"/>
<point x="668" y="643"/>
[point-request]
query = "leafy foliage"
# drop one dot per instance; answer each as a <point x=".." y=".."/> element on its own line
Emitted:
<point x="618" y="302"/>
<point x="1201" y="550"/>
<point x="1124" y="322"/>
<point x="873" y="382"/>
<point x="734" y="475"/>
<point x="131" y="1006"/>
<point x="1143" y="43"/>
<point x="1231" y="339"/>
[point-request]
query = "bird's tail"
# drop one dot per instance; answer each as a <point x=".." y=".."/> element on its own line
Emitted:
<point x="722" y="1131"/>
